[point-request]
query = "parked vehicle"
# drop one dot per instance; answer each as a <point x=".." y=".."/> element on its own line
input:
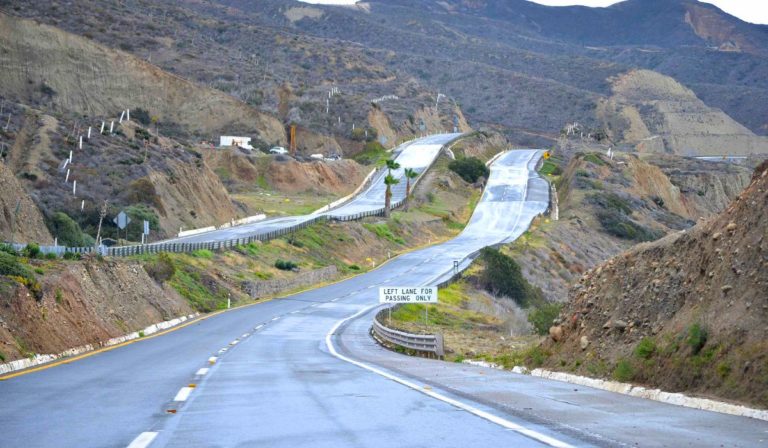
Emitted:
<point x="278" y="150"/>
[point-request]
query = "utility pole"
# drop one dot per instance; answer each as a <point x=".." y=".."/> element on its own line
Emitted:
<point x="102" y="215"/>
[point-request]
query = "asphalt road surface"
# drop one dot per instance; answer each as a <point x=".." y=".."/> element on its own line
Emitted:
<point x="417" y="155"/>
<point x="302" y="371"/>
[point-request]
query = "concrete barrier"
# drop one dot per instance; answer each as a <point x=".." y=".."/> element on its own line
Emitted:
<point x="196" y="231"/>
<point x="37" y="360"/>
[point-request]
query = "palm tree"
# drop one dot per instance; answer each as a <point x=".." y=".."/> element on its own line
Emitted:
<point x="410" y="173"/>
<point x="389" y="180"/>
<point x="392" y="165"/>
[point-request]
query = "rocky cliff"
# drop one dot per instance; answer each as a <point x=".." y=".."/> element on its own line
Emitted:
<point x="28" y="225"/>
<point x="685" y="313"/>
<point x="82" y="303"/>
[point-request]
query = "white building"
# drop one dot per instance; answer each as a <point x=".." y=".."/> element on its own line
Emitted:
<point x="240" y="142"/>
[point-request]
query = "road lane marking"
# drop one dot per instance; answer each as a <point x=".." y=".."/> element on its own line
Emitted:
<point x="183" y="394"/>
<point x="202" y="371"/>
<point x="295" y="312"/>
<point x="143" y="440"/>
<point x="234" y="342"/>
<point x="275" y="318"/>
<point x="259" y="327"/>
<point x="543" y="438"/>
<point x="212" y="360"/>
<point x="223" y="350"/>
<point x="245" y="335"/>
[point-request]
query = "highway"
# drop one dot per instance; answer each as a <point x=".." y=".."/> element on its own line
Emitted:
<point x="303" y="371"/>
<point x="417" y="155"/>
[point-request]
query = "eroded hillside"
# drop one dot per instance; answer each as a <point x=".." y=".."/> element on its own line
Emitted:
<point x="685" y="313"/>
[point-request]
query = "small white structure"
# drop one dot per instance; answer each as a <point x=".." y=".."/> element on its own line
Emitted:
<point x="240" y="142"/>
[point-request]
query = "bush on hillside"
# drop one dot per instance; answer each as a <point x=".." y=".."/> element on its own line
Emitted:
<point x="542" y="316"/>
<point x="31" y="250"/>
<point x="372" y="153"/>
<point x="502" y="276"/>
<point x="162" y="269"/>
<point x="68" y="231"/>
<point x="469" y="168"/>
<point x="12" y="267"/>
<point x="285" y="265"/>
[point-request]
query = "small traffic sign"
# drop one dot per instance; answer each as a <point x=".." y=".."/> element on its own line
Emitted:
<point x="122" y="220"/>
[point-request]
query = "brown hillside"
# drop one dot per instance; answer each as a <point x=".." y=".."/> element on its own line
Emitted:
<point x="42" y="64"/>
<point x="29" y="222"/>
<point x="685" y="313"/>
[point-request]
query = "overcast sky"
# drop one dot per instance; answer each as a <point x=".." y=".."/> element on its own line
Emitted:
<point x="755" y="11"/>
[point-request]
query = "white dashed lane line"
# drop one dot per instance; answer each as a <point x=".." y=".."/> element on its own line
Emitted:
<point x="275" y="318"/>
<point x="234" y="342"/>
<point x="143" y="440"/>
<point x="212" y="360"/>
<point x="202" y="371"/>
<point x="183" y="394"/>
<point x="259" y="327"/>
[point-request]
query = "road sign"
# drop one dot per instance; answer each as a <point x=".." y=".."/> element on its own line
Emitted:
<point x="122" y="220"/>
<point x="408" y="294"/>
<point x="546" y="154"/>
<point x="146" y="227"/>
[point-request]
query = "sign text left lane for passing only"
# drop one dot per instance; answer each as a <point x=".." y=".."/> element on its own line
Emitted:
<point x="408" y="294"/>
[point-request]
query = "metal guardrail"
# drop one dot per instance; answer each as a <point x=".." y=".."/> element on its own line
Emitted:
<point x="127" y="251"/>
<point x="428" y="343"/>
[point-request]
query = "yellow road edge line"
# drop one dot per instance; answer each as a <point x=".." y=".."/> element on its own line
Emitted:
<point x="68" y="360"/>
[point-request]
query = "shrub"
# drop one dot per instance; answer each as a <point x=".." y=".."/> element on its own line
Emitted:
<point x="50" y="256"/>
<point x="623" y="371"/>
<point x="541" y="317"/>
<point x="8" y="249"/>
<point x="72" y="256"/>
<point x="285" y="265"/>
<point x="502" y="275"/>
<point x="646" y="348"/>
<point x="142" y="116"/>
<point x="162" y="269"/>
<point x="31" y="250"/>
<point x="203" y="253"/>
<point x="697" y="337"/>
<point x="353" y="267"/>
<point x="619" y="225"/>
<point x="371" y="153"/>
<point x="12" y="267"/>
<point x="67" y="230"/>
<point x="469" y="168"/>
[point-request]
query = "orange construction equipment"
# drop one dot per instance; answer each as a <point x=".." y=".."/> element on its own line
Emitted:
<point x="293" y="140"/>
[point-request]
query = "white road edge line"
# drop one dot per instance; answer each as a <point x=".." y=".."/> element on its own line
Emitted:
<point x="202" y="371"/>
<point x="456" y="403"/>
<point x="275" y="318"/>
<point x="143" y="440"/>
<point x="183" y="394"/>
<point x="259" y="327"/>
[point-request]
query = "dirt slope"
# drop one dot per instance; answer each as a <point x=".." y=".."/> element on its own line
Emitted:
<point x="29" y="223"/>
<point x="45" y="65"/>
<point x="685" y="313"/>
<point x="655" y="113"/>
<point x="83" y="303"/>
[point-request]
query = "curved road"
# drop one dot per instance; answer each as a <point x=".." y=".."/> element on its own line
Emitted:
<point x="302" y="371"/>
<point x="417" y="154"/>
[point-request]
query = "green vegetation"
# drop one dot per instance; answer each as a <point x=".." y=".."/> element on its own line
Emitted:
<point x="645" y="348"/>
<point x="203" y="253"/>
<point x="188" y="283"/>
<point x="541" y="317"/>
<point x="284" y="265"/>
<point x="68" y="231"/>
<point x="697" y="338"/>
<point x="373" y="152"/>
<point x="613" y="215"/>
<point x="72" y="256"/>
<point x="31" y="250"/>
<point x="12" y="267"/>
<point x="502" y="276"/>
<point x="549" y="168"/>
<point x="595" y="159"/>
<point x="624" y="371"/>
<point x="470" y="169"/>
<point x="383" y="231"/>
<point x="162" y="268"/>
